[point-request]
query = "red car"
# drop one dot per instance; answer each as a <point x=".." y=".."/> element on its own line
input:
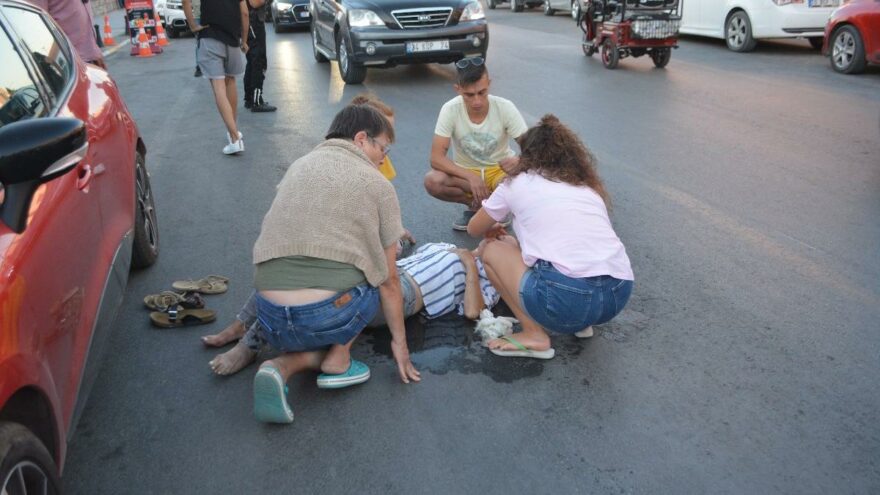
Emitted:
<point x="76" y="213"/>
<point x="852" y="36"/>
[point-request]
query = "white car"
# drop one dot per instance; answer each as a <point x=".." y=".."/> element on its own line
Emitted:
<point x="742" y="22"/>
<point x="572" y="6"/>
<point x="172" y="17"/>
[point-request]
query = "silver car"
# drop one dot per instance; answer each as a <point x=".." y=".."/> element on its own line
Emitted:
<point x="571" y="6"/>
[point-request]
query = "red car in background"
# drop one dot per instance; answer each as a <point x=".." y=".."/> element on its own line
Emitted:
<point x="76" y="213"/>
<point x="852" y="36"/>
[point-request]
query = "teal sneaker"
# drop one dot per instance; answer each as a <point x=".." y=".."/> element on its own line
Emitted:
<point x="358" y="372"/>
<point x="270" y="397"/>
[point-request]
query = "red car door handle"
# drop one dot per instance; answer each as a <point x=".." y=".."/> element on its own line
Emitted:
<point x="84" y="177"/>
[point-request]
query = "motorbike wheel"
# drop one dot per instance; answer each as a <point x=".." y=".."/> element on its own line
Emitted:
<point x="588" y="50"/>
<point x="661" y="57"/>
<point x="610" y="54"/>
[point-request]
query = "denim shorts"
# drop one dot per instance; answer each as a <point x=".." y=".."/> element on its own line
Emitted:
<point x="567" y="305"/>
<point x="307" y="327"/>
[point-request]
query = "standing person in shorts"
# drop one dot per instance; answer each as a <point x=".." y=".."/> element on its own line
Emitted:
<point x="220" y="55"/>
<point x="257" y="63"/>
<point x="480" y="127"/>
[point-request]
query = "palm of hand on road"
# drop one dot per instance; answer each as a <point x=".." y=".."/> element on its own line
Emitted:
<point x="404" y="366"/>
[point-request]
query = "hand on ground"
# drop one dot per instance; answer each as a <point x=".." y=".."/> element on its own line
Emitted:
<point x="404" y="366"/>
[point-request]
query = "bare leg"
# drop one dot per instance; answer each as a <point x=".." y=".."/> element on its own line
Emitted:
<point x="232" y="96"/>
<point x="233" y="360"/>
<point x="338" y="359"/>
<point x="296" y="362"/>
<point x="231" y="333"/>
<point x="505" y="268"/>
<point x="227" y="110"/>
<point x="448" y="188"/>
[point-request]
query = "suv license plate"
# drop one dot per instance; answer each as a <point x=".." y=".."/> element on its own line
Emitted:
<point x="304" y="14"/>
<point x="426" y="46"/>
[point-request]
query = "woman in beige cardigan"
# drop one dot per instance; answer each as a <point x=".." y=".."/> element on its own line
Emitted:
<point x="325" y="258"/>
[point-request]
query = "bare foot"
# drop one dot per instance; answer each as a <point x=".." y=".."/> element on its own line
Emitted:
<point x="233" y="360"/>
<point x="337" y="361"/>
<point x="533" y="341"/>
<point x="233" y="332"/>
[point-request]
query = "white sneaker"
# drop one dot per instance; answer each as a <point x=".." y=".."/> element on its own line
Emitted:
<point x="229" y="138"/>
<point x="234" y="148"/>
<point x="585" y="333"/>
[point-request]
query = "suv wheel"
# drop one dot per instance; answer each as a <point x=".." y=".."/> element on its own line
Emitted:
<point x="492" y="4"/>
<point x="319" y="57"/>
<point x="738" y="33"/>
<point x="146" y="228"/>
<point x="516" y="5"/>
<point x="25" y="464"/>
<point x="548" y="10"/>
<point x="575" y="10"/>
<point x="172" y="32"/>
<point x="847" y="51"/>
<point x="351" y="72"/>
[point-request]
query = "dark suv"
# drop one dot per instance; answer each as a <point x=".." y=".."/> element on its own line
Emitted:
<point x="384" y="33"/>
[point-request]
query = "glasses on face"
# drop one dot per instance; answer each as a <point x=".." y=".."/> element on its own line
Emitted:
<point x="470" y="61"/>
<point x="384" y="147"/>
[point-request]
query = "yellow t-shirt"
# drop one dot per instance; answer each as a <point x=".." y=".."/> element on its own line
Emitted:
<point x="387" y="169"/>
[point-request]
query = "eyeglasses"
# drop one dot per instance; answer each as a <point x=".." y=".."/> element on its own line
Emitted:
<point x="470" y="61"/>
<point x="386" y="148"/>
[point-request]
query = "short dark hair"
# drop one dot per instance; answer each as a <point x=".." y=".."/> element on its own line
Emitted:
<point x="356" y="118"/>
<point x="471" y="74"/>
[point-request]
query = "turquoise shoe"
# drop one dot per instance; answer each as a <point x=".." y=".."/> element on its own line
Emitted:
<point x="358" y="372"/>
<point x="270" y="397"/>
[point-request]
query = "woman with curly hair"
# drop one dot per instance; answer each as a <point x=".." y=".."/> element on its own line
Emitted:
<point x="569" y="270"/>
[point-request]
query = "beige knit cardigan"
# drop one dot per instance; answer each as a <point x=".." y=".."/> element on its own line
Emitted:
<point x="333" y="204"/>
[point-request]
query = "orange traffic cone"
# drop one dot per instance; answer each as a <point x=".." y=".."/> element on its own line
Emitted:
<point x="160" y="31"/>
<point x="144" y="49"/>
<point x="108" y="32"/>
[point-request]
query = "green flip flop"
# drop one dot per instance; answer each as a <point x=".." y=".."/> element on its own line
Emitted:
<point x="522" y="351"/>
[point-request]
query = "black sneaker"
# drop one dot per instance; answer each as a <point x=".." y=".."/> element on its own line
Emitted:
<point x="198" y="72"/>
<point x="248" y="103"/>
<point x="262" y="106"/>
<point x="462" y="222"/>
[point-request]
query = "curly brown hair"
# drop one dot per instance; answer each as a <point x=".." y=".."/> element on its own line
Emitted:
<point x="556" y="153"/>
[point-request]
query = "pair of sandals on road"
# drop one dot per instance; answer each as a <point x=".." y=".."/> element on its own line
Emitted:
<point x="184" y="306"/>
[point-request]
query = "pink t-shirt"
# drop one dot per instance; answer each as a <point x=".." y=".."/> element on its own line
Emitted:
<point x="75" y="18"/>
<point x="560" y="223"/>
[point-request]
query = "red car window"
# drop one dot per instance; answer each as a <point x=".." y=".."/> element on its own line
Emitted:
<point x="19" y="97"/>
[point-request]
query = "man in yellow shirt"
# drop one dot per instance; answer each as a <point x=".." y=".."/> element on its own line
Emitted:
<point x="479" y="126"/>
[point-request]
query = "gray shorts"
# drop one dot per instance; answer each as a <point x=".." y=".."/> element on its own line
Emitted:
<point x="219" y="60"/>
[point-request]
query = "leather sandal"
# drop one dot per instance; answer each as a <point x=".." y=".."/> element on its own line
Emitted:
<point x="179" y="317"/>
<point x="212" y="284"/>
<point x="168" y="298"/>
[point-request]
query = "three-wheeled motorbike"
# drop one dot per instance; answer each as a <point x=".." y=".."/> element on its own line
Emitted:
<point x="630" y="28"/>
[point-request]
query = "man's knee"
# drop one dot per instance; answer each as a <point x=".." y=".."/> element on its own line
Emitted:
<point x="434" y="181"/>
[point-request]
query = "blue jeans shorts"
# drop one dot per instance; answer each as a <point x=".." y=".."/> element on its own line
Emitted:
<point x="307" y="327"/>
<point x="567" y="305"/>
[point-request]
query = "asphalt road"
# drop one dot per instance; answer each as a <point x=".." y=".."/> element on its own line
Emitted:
<point x="746" y="188"/>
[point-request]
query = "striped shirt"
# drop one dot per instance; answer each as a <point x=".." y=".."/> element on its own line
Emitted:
<point x="440" y="275"/>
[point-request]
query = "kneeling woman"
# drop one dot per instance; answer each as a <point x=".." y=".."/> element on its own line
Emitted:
<point x="325" y="258"/>
<point x="569" y="270"/>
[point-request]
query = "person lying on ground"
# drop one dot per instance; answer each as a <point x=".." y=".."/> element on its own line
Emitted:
<point x="436" y="280"/>
<point x="325" y="257"/>
<point x="569" y="270"/>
